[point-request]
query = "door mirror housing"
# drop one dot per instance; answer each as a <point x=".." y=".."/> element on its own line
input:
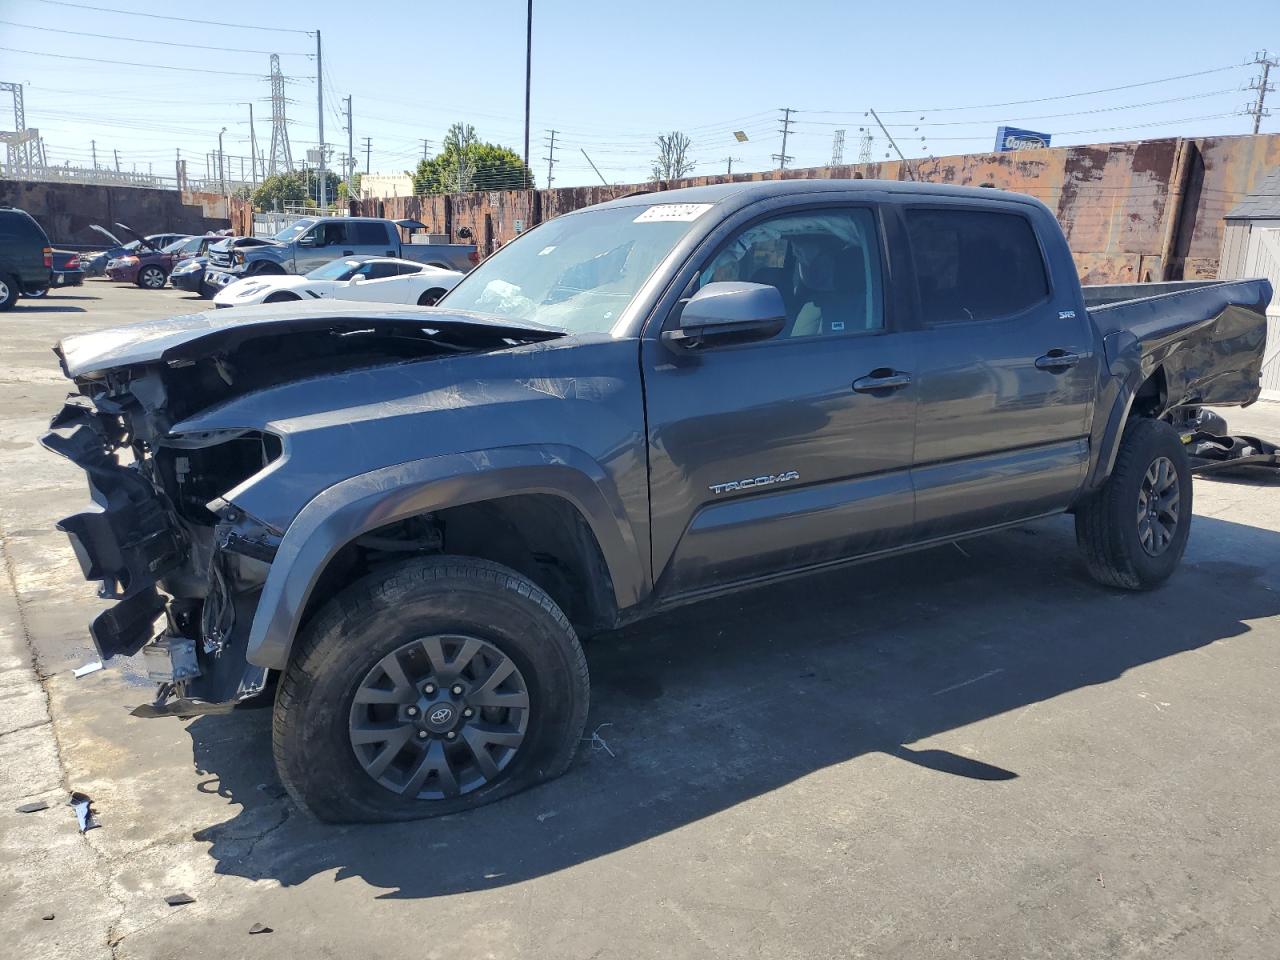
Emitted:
<point x="729" y="312"/>
<point x="357" y="278"/>
<point x="308" y="240"/>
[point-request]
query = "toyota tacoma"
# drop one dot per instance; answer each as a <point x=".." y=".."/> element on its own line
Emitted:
<point x="400" y="522"/>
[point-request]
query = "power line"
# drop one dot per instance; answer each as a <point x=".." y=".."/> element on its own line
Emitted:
<point x="159" y="16"/>
<point x="163" y="43"/>
<point x="129" y="63"/>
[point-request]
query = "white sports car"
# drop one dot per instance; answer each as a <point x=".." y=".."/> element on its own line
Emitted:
<point x="383" y="279"/>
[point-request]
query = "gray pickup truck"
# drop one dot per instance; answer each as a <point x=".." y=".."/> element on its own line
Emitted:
<point x="405" y="519"/>
<point x="314" y="241"/>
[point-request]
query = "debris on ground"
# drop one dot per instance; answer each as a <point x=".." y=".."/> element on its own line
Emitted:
<point x="1211" y="453"/>
<point x="598" y="742"/>
<point x="260" y="928"/>
<point x="47" y="916"/>
<point x="83" y="805"/>
<point x="87" y="669"/>
<point x="35" y="806"/>
<point x="179" y="899"/>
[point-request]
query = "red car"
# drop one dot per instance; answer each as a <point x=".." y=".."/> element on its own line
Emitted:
<point x="149" y="266"/>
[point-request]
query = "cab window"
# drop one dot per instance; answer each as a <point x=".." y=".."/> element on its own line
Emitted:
<point x="826" y="265"/>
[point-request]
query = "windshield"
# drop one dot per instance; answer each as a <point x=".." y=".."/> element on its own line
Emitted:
<point x="576" y="272"/>
<point x="295" y="229"/>
<point x="175" y="246"/>
<point x="336" y="270"/>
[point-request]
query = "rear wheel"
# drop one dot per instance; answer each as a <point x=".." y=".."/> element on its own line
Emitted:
<point x="1134" y="530"/>
<point x="151" y="278"/>
<point x="8" y="292"/>
<point x="282" y="296"/>
<point x="431" y="297"/>
<point x="432" y="687"/>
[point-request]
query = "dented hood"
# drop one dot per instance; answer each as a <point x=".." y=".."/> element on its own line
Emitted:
<point x="211" y="332"/>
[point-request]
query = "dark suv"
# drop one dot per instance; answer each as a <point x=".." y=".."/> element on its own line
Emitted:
<point x="25" y="257"/>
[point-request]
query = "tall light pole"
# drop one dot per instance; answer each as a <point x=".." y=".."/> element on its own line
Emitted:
<point x="320" y="113"/>
<point x="528" y="76"/>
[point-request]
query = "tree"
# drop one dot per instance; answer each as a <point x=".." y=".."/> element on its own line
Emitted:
<point x="350" y="190"/>
<point x="465" y="163"/>
<point x="298" y="186"/>
<point x="672" y="162"/>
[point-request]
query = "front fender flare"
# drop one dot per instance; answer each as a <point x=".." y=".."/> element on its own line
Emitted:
<point x="371" y="500"/>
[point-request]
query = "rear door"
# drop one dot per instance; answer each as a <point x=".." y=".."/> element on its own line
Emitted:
<point x="793" y="452"/>
<point x="1006" y="375"/>
<point x="371" y="238"/>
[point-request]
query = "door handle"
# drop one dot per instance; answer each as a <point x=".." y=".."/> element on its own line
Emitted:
<point x="1056" y="361"/>
<point x="347" y="253"/>
<point x="883" y="379"/>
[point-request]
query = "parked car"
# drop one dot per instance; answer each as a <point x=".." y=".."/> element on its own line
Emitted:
<point x="314" y="241"/>
<point x="26" y="258"/>
<point x="189" y="275"/>
<point x="65" y="272"/>
<point x="150" y="268"/>
<point x="410" y="517"/>
<point x="95" y="263"/>
<point x="381" y="279"/>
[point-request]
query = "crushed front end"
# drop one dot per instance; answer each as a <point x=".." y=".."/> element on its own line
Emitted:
<point x="183" y="564"/>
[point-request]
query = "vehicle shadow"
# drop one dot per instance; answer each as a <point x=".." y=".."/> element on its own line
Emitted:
<point x="710" y="706"/>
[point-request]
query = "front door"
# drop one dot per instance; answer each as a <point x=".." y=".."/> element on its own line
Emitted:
<point x="1006" y="376"/>
<point x="794" y="452"/>
<point x="326" y="241"/>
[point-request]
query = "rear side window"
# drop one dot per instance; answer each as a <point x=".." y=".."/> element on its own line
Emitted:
<point x="975" y="265"/>
<point x="368" y="234"/>
<point x="22" y="226"/>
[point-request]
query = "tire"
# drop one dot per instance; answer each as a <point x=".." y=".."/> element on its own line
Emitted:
<point x="400" y="611"/>
<point x="281" y="296"/>
<point x="152" y="278"/>
<point x="431" y="297"/>
<point x="9" y="288"/>
<point x="1118" y="550"/>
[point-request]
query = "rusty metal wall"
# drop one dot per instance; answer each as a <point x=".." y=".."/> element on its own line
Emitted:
<point x="1134" y="211"/>
<point x="65" y="210"/>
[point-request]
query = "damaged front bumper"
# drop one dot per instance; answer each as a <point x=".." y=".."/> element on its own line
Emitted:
<point x="185" y="589"/>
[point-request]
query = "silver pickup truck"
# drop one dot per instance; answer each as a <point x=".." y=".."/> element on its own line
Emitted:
<point x="313" y="241"/>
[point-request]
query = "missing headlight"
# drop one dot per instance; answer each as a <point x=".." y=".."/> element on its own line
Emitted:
<point x="201" y="468"/>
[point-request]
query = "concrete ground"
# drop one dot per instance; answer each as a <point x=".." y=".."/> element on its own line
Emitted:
<point x="971" y="752"/>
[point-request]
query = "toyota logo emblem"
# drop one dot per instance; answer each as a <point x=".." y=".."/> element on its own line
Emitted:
<point x="441" y="715"/>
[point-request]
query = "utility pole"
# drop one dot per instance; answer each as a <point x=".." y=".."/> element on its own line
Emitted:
<point x="730" y="161"/>
<point x="253" y="149"/>
<point x="893" y="143"/>
<point x="596" y="169"/>
<point x="426" y="146"/>
<point x="864" y="146"/>
<point x="117" y="156"/>
<point x="222" y="170"/>
<point x="320" y="115"/>
<point x="1259" y="106"/>
<point x="837" y="148"/>
<point x="351" y="150"/>
<point x="782" y="158"/>
<point x="528" y="77"/>
<point x="93" y="145"/>
<point x="368" y="151"/>
<point x="551" y="157"/>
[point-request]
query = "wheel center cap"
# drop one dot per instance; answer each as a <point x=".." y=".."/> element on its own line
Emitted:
<point x="440" y="717"/>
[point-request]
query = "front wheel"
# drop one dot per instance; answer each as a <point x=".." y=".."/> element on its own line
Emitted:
<point x="281" y="297"/>
<point x="8" y="292"/>
<point x="151" y="278"/>
<point x="1134" y="530"/>
<point x="431" y="297"/>
<point x="432" y="687"/>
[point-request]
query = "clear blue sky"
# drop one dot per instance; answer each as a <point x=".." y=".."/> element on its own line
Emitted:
<point x="610" y="76"/>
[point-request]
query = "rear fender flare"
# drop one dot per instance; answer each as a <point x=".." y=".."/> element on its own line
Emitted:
<point x="371" y="500"/>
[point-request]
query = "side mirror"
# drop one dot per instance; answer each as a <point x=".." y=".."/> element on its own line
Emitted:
<point x="307" y="240"/>
<point x="729" y="312"/>
<point x="357" y="278"/>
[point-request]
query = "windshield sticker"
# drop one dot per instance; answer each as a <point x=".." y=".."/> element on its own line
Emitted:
<point x="669" y="212"/>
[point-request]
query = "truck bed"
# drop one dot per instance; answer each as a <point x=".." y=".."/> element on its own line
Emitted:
<point x="1208" y="336"/>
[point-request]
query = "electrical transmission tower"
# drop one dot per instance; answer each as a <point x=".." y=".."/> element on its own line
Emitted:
<point x="864" y="147"/>
<point x="22" y="146"/>
<point x="782" y="157"/>
<point x="1258" y="109"/>
<point x="837" y="148"/>
<point x="281" y="159"/>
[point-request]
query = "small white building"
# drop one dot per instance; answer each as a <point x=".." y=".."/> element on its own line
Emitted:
<point x="1251" y="248"/>
<point x="379" y="186"/>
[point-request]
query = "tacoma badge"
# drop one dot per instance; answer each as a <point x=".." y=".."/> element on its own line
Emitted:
<point x="764" y="481"/>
